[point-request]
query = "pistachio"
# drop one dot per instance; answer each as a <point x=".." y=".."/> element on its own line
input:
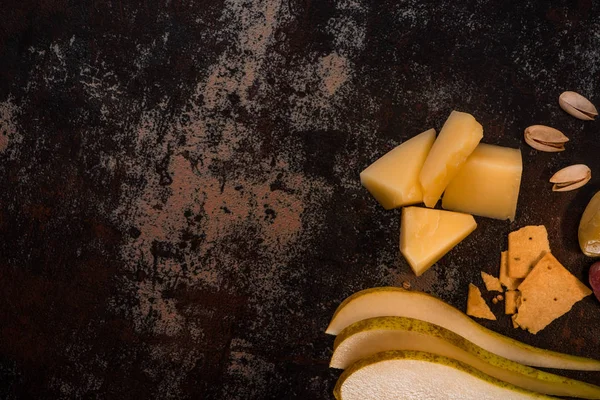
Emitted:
<point x="545" y="138"/>
<point x="571" y="177"/>
<point x="578" y="106"/>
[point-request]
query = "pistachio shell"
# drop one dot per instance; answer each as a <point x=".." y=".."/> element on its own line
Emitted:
<point x="577" y="105"/>
<point x="571" y="177"/>
<point x="545" y="138"/>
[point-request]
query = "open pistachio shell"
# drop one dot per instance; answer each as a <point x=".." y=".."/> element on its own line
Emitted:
<point x="577" y="105"/>
<point x="571" y="178"/>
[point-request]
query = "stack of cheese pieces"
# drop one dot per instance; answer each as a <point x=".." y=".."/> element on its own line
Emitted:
<point x="475" y="178"/>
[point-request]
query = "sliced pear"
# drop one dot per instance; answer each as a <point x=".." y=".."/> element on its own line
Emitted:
<point x="415" y="375"/>
<point x="392" y="301"/>
<point x="368" y="337"/>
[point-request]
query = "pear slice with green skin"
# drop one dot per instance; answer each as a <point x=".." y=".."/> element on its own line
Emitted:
<point x="416" y="375"/>
<point x="393" y="301"/>
<point x="367" y="337"/>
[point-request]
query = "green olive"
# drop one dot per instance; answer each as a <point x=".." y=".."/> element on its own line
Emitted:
<point x="589" y="228"/>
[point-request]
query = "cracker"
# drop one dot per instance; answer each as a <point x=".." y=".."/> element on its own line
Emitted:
<point x="512" y="302"/>
<point x="514" y="322"/>
<point x="476" y="305"/>
<point x="548" y="292"/>
<point x="492" y="284"/>
<point x="508" y="282"/>
<point x="525" y="248"/>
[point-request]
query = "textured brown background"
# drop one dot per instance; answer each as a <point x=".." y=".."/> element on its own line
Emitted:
<point x="180" y="209"/>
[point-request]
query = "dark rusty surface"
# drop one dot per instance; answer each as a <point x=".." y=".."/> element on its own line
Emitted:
<point x="180" y="210"/>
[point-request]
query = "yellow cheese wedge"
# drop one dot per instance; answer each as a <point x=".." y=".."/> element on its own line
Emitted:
<point x="487" y="184"/>
<point x="427" y="234"/>
<point x="394" y="178"/>
<point x="458" y="138"/>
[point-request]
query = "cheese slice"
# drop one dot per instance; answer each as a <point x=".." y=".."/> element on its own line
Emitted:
<point x="458" y="138"/>
<point x="476" y="305"/>
<point x="394" y="178"/>
<point x="487" y="184"/>
<point x="427" y="234"/>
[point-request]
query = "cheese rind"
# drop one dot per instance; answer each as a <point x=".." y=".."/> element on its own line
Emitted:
<point x="394" y="178"/>
<point x="426" y="235"/>
<point x="488" y="183"/>
<point x="458" y="138"/>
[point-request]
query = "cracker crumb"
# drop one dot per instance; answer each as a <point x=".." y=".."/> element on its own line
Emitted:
<point x="492" y="284"/>
<point x="476" y="305"/>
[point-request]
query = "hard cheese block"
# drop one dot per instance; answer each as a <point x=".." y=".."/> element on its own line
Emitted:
<point x="394" y="178"/>
<point x="487" y="184"/>
<point x="427" y="234"/>
<point x="458" y="138"/>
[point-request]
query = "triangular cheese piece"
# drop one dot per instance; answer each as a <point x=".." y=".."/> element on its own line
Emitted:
<point x="394" y="178"/>
<point x="476" y="305"/>
<point x="427" y="234"/>
<point x="492" y="284"/>
<point x="548" y="292"/>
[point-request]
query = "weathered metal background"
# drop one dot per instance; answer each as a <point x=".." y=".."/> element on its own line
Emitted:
<point x="180" y="209"/>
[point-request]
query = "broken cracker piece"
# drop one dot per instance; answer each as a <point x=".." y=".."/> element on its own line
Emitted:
<point x="512" y="302"/>
<point x="491" y="282"/>
<point x="548" y="292"/>
<point x="476" y="305"/>
<point x="525" y="248"/>
<point x="514" y="321"/>
<point x="507" y="281"/>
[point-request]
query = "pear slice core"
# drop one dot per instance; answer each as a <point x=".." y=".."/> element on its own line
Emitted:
<point x="371" y="336"/>
<point x="413" y="375"/>
<point x="392" y="301"/>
